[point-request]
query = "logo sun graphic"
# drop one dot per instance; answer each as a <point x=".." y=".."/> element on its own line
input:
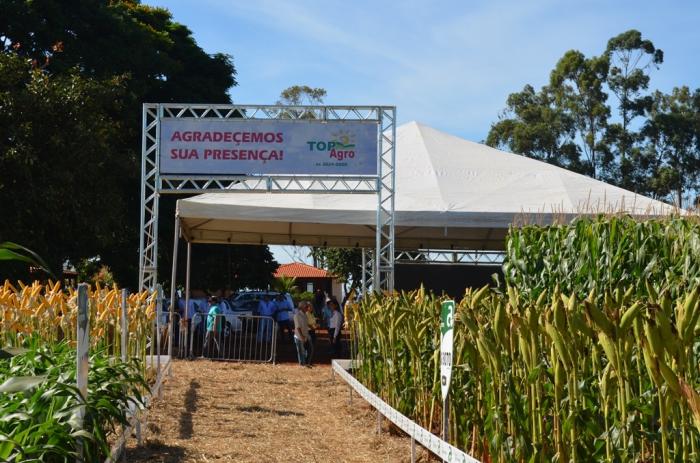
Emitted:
<point x="344" y="139"/>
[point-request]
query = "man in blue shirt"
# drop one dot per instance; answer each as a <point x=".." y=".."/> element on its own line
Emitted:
<point x="282" y="313"/>
<point x="266" y="309"/>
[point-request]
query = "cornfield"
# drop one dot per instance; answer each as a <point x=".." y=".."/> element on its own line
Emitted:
<point x="567" y="362"/>
<point x="39" y="399"/>
<point x="49" y="312"/>
<point x="603" y="254"/>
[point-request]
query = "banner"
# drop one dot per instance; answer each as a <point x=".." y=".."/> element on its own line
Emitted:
<point x="245" y="147"/>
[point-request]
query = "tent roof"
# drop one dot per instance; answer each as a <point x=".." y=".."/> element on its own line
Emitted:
<point x="450" y="192"/>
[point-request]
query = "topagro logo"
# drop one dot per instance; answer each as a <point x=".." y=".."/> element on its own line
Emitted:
<point x="341" y="146"/>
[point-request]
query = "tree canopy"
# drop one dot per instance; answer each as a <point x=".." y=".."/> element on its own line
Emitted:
<point x="73" y="77"/>
<point x="647" y="142"/>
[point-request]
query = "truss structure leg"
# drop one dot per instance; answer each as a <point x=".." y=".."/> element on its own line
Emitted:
<point x="368" y="269"/>
<point x="384" y="254"/>
<point x="148" y="248"/>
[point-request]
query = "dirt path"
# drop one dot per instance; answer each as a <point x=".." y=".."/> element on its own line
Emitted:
<point x="216" y="412"/>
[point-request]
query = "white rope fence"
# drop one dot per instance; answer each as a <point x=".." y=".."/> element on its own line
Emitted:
<point x="430" y="441"/>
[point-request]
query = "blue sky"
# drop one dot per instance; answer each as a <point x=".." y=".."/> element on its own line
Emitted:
<point x="448" y="64"/>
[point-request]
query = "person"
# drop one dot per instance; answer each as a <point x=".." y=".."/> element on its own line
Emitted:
<point x="310" y="344"/>
<point x="213" y="325"/>
<point x="266" y="309"/>
<point x="301" y="333"/>
<point x="281" y="315"/>
<point x="335" y="327"/>
<point x="319" y="301"/>
<point x="326" y="313"/>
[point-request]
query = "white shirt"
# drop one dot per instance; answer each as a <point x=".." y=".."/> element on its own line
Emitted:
<point x="336" y="323"/>
<point x="301" y="326"/>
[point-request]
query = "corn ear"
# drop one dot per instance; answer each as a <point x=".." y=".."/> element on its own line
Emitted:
<point x="630" y="315"/>
<point x="560" y="346"/>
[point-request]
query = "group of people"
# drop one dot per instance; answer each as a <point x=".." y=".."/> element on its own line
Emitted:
<point x="279" y="310"/>
<point x="305" y="326"/>
<point x="299" y="325"/>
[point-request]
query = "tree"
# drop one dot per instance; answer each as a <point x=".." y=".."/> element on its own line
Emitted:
<point x="673" y="132"/>
<point x="136" y="52"/>
<point x="630" y="57"/>
<point x="236" y="267"/>
<point x="534" y="126"/>
<point x="286" y="284"/>
<point x="577" y="83"/>
<point x="569" y="122"/>
<point x="119" y="37"/>
<point x="60" y="182"/>
<point x="344" y="263"/>
<point x="300" y="95"/>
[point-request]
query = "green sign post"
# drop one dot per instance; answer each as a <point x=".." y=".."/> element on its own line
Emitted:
<point x="446" y="340"/>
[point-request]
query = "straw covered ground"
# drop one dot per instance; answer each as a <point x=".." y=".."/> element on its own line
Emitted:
<point x="220" y="412"/>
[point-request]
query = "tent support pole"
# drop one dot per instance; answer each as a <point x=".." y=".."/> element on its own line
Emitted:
<point x="186" y="313"/>
<point x="173" y="278"/>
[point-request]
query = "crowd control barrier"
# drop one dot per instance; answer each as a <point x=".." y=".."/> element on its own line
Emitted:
<point x="244" y="339"/>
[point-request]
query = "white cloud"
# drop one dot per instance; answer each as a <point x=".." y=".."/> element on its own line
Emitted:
<point x="450" y="64"/>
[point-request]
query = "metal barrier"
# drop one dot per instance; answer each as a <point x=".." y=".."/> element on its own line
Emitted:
<point x="179" y="335"/>
<point x="245" y="339"/>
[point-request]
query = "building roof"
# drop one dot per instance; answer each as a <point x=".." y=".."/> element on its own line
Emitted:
<point x="299" y="270"/>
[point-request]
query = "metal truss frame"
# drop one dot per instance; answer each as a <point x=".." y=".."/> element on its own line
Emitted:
<point x="153" y="184"/>
<point x="368" y="266"/>
<point x="451" y="257"/>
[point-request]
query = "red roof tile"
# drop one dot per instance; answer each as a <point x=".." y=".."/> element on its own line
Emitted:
<point x="300" y="270"/>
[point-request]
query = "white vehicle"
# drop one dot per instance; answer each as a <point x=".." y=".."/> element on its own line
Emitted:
<point x="235" y="316"/>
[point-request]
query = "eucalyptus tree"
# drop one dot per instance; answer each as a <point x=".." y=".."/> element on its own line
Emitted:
<point x="533" y="125"/>
<point x="631" y="58"/>
<point x="577" y="83"/>
<point x="300" y="95"/>
<point x="673" y="150"/>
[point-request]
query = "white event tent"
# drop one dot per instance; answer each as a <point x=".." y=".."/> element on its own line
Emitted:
<point x="450" y="193"/>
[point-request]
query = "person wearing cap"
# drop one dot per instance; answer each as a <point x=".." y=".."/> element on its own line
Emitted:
<point x="213" y="325"/>
<point x="301" y="333"/>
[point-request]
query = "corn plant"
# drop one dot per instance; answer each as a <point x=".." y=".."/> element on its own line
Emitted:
<point x="39" y="403"/>
<point x="51" y="312"/>
<point x="590" y="354"/>
<point x="605" y="252"/>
